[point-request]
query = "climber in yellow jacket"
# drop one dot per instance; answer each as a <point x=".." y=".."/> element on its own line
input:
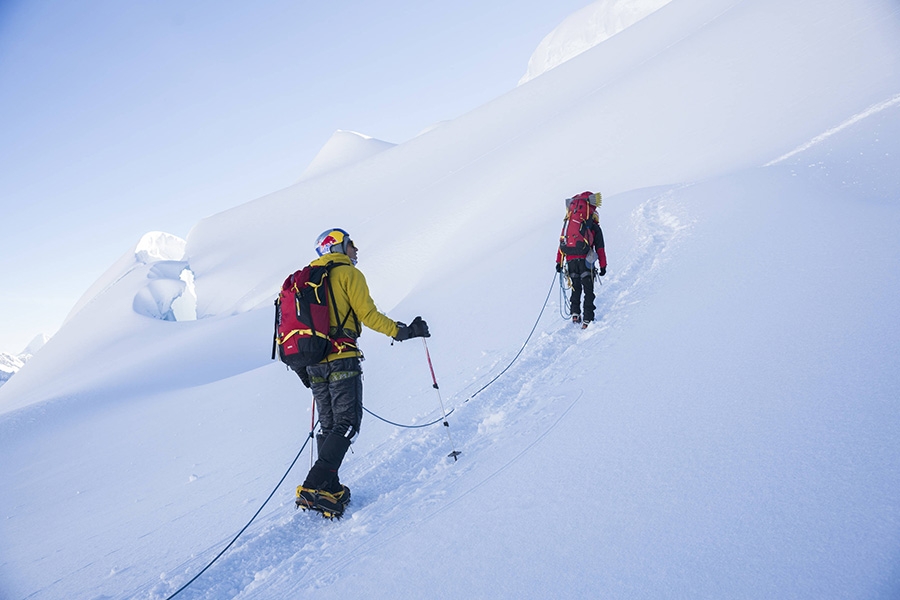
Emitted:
<point x="351" y="296"/>
<point x="336" y="382"/>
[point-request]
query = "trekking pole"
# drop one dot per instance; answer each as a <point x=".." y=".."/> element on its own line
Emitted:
<point x="455" y="452"/>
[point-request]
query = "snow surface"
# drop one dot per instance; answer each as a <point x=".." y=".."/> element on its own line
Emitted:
<point x="727" y="429"/>
<point x="586" y="28"/>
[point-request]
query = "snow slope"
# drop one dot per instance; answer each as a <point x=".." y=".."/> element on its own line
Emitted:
<point x="726" y="430"/>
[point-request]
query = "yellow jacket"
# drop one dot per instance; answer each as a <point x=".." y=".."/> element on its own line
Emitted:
<point x="352" y="292"/>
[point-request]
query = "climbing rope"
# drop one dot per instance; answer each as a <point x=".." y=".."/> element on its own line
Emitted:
<point x="278" y="485"/>
<point x="311" y="435"/>
<point x="253" y="518"/>
<point x="564" y="311"/>
<point x="408" y="426"/>
<point x="516" y="357"/>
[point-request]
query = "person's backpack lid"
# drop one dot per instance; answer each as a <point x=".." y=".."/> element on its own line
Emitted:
<point x="589" y="197"/>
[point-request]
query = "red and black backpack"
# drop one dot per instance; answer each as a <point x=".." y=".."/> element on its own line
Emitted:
<point x="577" y="237"/>
<point x="302" y="322"/>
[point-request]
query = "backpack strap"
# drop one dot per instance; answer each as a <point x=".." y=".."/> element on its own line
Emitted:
<point x="275" y="337"/>
<point x="337" y="340"/>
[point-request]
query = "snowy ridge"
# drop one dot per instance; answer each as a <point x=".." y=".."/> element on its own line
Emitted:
<point x="585" y="29"/>
<point x="872" y="110"/>
<point x="726" y="429"/>
<point x="344" y="148"/>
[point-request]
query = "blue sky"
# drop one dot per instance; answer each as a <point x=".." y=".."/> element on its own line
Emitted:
<point x="120" y="118"/>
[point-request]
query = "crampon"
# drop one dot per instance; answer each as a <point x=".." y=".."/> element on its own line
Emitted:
<point x="330" y="506"/>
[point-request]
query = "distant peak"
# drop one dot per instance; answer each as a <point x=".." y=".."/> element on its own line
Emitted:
<point x="344" y="148"/>
<point x="584" y="29"/>
<point x="36" y="344"/>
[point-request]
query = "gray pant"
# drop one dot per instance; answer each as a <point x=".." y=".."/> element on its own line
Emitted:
<point x="582" y="277"/>
<point x="337" y="389"/>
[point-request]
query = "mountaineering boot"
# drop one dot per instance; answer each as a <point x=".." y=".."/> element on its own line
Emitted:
<point x="576" y="318"/>
<point x="321" y="501"/>
<point x="306" y="497"/>
<point x="585" y="324"/>
<point x="343" y="496"/>
<point x="339" y="491"/>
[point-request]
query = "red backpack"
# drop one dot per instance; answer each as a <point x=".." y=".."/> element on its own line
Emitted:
<point x="577" y="237"/>
<point x="302" y="320"/>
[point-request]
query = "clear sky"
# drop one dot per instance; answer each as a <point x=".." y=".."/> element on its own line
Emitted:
<point x="119" y="118"/>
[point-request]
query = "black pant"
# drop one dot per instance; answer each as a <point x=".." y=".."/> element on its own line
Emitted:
<point x="582" y="277"/>
<point x="337" y="388"/>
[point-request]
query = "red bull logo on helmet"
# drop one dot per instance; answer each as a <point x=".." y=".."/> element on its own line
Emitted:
<point x="328" y="239"/>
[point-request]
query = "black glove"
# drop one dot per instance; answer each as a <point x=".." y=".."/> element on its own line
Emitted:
<point x="304" y="376"/>
<point x="418" y="328"/>
<point x="602" y="271"/>
<point x="558" y="268"/>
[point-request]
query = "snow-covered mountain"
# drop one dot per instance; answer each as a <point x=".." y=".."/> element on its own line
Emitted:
<point x="11" y="364"/>
<point x="726" y="429"/>
<point x="33" y="346"/>
<point x="342" y="149"/>
<point x="586" y="28"/>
